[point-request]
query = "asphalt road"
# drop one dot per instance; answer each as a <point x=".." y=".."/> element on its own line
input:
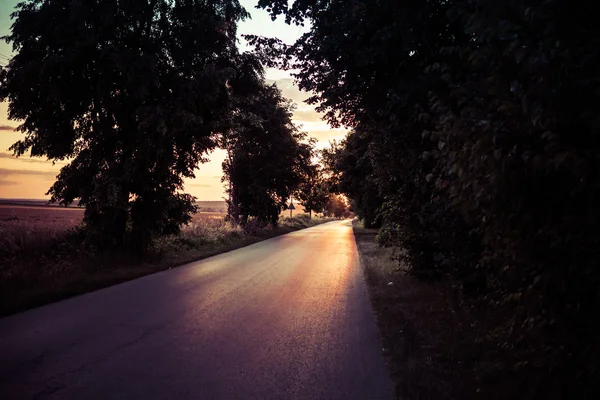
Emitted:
<point x="287" y="318"/>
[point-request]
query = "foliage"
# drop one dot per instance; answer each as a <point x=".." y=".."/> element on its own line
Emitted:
<point x="350" y="172"/>
<point x="336" y="207"/>
<point x="313" y="191"/>
<point x="474" y="128"/>
<point x="266" y="157"/>
<point x="132" y="92"/>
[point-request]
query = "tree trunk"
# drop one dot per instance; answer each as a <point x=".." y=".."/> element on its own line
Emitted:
<point x="233" y="208"/>
<point x="121" y="217"/>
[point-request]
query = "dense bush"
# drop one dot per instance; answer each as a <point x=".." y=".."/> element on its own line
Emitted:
<point x="475" y="139"/>
<point x="519" y="159"/>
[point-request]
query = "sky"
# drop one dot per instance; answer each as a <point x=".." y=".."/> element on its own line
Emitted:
<point x="30" y="178"/>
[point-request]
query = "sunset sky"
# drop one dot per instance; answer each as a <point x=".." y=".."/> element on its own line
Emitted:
<point x="31" y="177"/>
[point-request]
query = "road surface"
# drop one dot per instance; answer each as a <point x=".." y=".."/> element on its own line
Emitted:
<point x="287" y="318"/>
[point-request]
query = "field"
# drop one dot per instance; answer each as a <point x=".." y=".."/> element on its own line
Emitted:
<point x="43" y="257"/>
<point x="70" y="216"/>
<point x="49" y="217"/>
<point x="23" y="227"/>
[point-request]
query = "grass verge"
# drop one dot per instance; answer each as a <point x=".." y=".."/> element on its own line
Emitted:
<point x="435" y="345"/>
<point x="45" y="268"/>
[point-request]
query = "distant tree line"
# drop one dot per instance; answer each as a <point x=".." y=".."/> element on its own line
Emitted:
<point x="474" y="146"/>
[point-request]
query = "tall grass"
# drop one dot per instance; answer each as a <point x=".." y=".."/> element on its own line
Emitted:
<point x="35" y="249"/>
<point x="18" y="239"/>
<point x="206" y="232"/>
<point x="198" y="234"/>
<point x="42" y="260"/>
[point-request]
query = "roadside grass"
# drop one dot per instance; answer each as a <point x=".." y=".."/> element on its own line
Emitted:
<point x="42" y="262"/>
<point x="434" y="344"/>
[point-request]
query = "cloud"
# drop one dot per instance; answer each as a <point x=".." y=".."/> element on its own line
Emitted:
<point x="7" y="182"/>
<point x="282" y="82"/>
<point x="7" y="156"/>
<point x="7" y="128"/>
<point x="200" y="185"/>
<point x="301" y="116"/>
<point x="43" y="174"/>
<point x="327" y="135"/>
<point x="204" y="177"/>
<point x="289" y="90"/>
<point x="26" y="159"/>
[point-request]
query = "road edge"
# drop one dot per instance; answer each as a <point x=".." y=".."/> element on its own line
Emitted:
<point x="103" y="278"/>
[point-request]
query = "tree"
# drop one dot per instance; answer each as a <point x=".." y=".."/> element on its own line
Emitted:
<point x="266" y="158"/>
<point x="132" y="92"/>
<point x="479" y="138"/>
<point x="337" y="206"/>
<point x="348" y="164"/>
<point x="313" y="191"/>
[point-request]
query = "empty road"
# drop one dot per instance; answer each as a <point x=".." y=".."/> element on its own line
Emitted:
<point x="287" y="318"/>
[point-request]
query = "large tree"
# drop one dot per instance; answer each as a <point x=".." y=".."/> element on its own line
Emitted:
<point x="336" y="206"/>
<point x="349" y="167"/>
<point x="131" y="92"/>
<point x="313" y="191"/>
<point x="267" y="156"/>
<point x="479" y="134"/>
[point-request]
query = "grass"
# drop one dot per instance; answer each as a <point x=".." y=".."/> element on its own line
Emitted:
<point x="434" y="343"/>
<point x="42" y="258"/>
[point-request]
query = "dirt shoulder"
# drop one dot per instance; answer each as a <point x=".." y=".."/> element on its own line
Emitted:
<point x="431" y="341"/>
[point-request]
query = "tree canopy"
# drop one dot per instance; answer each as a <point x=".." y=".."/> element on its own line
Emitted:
<point x="267" y="156"/>
<point x="131" y="92"/>
<point x="474" y="145"/>
<point x="314" y="190"/>
<point x="336" y="206"/>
